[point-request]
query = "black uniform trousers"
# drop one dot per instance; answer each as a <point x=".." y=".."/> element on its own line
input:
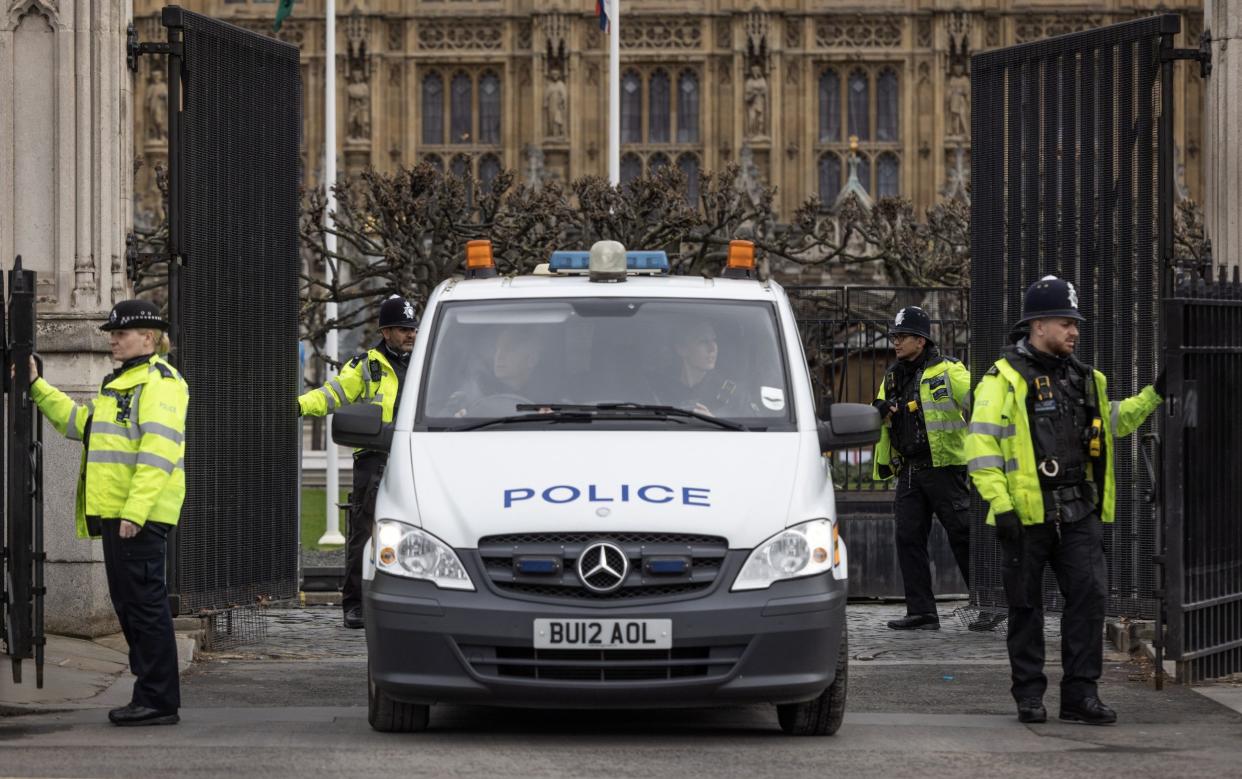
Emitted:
<point x="922" y="492"/>
<point x="139" y="592"/>
<point x="368" y="468"/>
<point x="1076" y="553"/>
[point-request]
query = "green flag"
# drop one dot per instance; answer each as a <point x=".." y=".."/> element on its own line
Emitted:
<point x="282" y="12"/>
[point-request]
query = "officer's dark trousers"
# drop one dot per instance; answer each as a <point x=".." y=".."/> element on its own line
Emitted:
<point x="368" y="468"/>
<point x="139" y="592"/>
<point x="921" y="493"/>
<point x="1077" y="559"/>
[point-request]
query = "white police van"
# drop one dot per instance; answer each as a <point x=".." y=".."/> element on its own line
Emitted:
<point x="606" y="489"/>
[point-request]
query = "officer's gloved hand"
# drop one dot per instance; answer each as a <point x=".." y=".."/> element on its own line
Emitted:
<point x="885" y="407"/>
<point x="1008" y="527"/>
<point x="1158" y="384"/>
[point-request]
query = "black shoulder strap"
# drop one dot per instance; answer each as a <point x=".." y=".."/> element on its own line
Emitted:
<point x="163" y="369"/>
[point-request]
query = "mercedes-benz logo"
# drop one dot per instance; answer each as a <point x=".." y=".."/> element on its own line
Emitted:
<point x="602" y="567"/>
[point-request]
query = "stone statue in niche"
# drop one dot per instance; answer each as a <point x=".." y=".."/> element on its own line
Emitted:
<point x="749" y="183"/>
<point x="534" y="166"/>
<point x="157" y="106"/>
<point x="756" y="95"/>
<point x="358" y="93"/>
<point x="555" y="105"/>
<point x="957" y="90"/>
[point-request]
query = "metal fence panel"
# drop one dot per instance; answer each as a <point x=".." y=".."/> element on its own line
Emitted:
<point x="1063" y="143"/>
<point x="235" y="166"/>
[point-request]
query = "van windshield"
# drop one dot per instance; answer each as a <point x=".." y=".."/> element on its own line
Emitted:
<point x="493" y="360"/>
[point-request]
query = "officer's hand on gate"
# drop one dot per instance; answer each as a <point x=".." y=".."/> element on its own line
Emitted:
<point x="1158" y="384"/>
<point x="128" y="529"/>
<point x="1008" y="527"/>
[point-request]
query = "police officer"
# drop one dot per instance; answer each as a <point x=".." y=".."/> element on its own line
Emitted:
<point x="923" y="444"/>
<point x="377" y="378"/>
<point x="1041" y="450"/>
<point x="130" y="491"/>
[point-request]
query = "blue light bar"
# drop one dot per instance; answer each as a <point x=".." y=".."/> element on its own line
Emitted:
<point x="666" y="567"/>
<point x="650" y="261"/>
<point x="537" y="565"/>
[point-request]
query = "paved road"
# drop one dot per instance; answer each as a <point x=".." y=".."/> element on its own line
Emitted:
<point x="928" y="704"/>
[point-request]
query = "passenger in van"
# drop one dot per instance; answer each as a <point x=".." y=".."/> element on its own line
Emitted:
<point x="508" y="382"/>
<point x="697" y="385"/>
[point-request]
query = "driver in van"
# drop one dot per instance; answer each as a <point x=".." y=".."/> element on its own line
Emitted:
<point x="514" y="361"/>
<point x="698" y="386"/>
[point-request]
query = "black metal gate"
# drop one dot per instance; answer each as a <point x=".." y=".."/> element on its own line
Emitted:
<point x="1202" y="466"/>
<point x="1072" y="166"/>
<point x="235" y="118"/>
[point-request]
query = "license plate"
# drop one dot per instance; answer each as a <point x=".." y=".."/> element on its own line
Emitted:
<point x="603" y="633"/>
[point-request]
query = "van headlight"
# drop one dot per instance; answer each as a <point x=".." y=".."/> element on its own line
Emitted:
<point x="404" y="550"/>
<point x="801" y="550"/>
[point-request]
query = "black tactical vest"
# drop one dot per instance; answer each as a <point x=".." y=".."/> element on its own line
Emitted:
<point x="907" y="431"/>
<point x="1061" y="407"/>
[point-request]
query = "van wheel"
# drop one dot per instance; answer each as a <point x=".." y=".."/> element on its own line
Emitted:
<point x="822" y="716"/>
<point x="389" y="716"/>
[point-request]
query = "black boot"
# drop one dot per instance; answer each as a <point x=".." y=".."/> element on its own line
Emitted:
<point x="1089" y="711"/>
<point x="133" y="714"/>
<point x="353" y="617"/>
<point x="1032" y="710"/>
<point x="916" y="622"/>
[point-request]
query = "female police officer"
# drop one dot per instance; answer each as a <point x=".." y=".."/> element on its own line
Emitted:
<point x="130" y="492"/>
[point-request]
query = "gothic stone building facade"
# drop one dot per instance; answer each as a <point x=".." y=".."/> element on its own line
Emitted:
<point x="778" y="84"/>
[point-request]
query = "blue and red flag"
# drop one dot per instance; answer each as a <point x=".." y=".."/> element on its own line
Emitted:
<point x="601" y="10"/>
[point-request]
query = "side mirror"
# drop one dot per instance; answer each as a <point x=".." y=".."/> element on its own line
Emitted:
<point x="362" y="427"/>
<point x="849" y="425"/>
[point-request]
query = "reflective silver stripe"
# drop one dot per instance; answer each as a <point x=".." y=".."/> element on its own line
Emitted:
<point x="71" y="429"/>
<point x="379" y="398"/>
<point x="112" y="457"/>
<point x="340" y="391"/>
<point x="989" y="428"/>
<point x="90" y="405"/>
<point x="163" y="431"/>
<point x="952" y="424"/>
<point x="1011" y="466"/>
<point x="331" y="398"/>
<point x="940" y="406"/>
<point x="155" y="461"/>
<point x="111" y="428"/>
<point x="986" y="461"/>
<point x="1116" y="404"/>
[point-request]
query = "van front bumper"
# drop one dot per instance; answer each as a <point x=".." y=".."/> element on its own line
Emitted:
<point x="779" y="645"/>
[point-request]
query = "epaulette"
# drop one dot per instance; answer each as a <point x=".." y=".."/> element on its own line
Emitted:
<point x="993" y="371"/>
<point x="947" y="358"/>
<point x="163" y="369"/>
<point x="355" y="360"/>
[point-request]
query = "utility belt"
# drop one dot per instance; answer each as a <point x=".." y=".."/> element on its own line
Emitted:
<point x="911" y="464"/>
<point x="1069" y="504"/>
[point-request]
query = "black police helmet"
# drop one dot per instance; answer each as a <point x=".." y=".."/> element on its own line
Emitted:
<point x="912" y="320"/>
<point x="396" y="311"/>
<point x="1050" y="297"/>
<point x="134" y="315"/>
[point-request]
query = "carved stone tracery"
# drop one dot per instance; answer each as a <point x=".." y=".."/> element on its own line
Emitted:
<point x="1035" y="26"/>
<point x="454" y="34"/>
<point x="661" y="33"/>
<point x="858" y="31"/>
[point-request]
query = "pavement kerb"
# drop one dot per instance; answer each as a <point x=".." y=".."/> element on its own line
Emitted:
<point x="81" y="674"/>
<point x="1137" y="639"/>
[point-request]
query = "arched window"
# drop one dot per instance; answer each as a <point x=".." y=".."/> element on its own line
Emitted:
<point x="829" y="177"/>
<point x="489" y="108"/>
<point x="859" y="105"/>
<point x="489" y="169"/>
<point x="830" y="106"/>
<point x="688" y="108"/>
<point x="659" y="100"/>
<point x="657" y="161"/>
<point x="631" y="167"/>
<point x="433" y="109"/>
<point x="460" y="166"/>
<point x="460" y="109"/>
<point x="434" y="161"/>
<point x="864" y="173"/>
<point x="689" y="165"/>
<point x="888" y="175"/>
<point x="631" y="109"/>
<point x="886" y="106"/>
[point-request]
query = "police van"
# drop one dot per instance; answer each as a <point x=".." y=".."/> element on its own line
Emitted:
<point x="606" y="488"/>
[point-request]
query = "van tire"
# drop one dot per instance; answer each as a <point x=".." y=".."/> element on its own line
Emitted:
<point x="822" y="716"/>
<point x="391" y="716"/>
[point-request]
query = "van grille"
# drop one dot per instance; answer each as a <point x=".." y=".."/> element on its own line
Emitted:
<point x="701" y="558"/>
<point x="602" y="665"/>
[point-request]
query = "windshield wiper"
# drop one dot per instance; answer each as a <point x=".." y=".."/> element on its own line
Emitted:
<point x="647" y="410"/>
<point x="556" y="415"/>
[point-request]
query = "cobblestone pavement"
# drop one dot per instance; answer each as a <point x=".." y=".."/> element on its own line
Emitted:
<point x="317" y="632"/>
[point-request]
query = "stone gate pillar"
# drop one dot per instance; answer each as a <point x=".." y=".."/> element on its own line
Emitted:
<point x="1222" y="121"/>
<point x="65" y="201"/>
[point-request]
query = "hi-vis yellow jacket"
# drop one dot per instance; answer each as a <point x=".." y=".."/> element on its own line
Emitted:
<point x="942" y="402"/>
<point x="1001" y="450"/>
<point x="367" y="378"/>
<point x="133" y="464"/>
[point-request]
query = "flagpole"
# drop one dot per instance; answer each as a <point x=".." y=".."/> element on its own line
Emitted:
<point x="332" y="474"/>
<point x="614" y="93"/>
